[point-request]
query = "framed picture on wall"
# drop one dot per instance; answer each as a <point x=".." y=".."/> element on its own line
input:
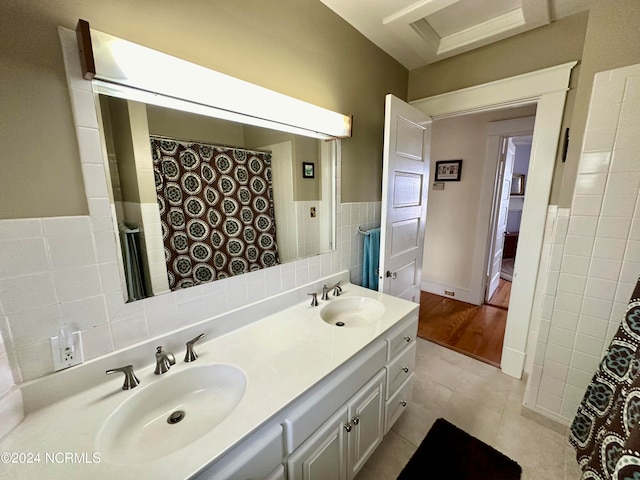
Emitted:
<point x="308" y="170"/>
<point x="448" y="170"/>
<point x="517" y="184"/>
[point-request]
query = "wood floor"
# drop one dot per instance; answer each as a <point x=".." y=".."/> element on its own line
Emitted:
<point x="475" y="330"/>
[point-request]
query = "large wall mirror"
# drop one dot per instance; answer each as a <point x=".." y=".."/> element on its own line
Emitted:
<point x="198" y="199"/>
<point x="201" y="191"/>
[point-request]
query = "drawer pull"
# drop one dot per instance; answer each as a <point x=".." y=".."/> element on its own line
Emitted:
<point x="407" y="339"/>
<point x="405" y="369"/>
<point x="347" y="427"/>
<point x="403" y="403"/>
<point x="355" y="420"/>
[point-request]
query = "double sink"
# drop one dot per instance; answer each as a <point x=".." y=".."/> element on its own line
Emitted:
<point x="184" y="405"/>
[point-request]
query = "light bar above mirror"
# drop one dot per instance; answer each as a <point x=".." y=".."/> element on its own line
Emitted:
<point x="115" y="63"/>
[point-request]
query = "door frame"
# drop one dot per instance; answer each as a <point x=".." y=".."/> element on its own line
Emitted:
<point x="547" y="88"/>
<point x="498" y="132"/>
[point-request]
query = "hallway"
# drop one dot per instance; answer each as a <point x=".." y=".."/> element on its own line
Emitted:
<point x="474" y="330"/>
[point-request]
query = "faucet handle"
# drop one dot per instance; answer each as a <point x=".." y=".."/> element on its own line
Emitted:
<point x="337" y="289"/>
<point x="130" y="379"/>
<point x="191" y="355"/>
<point x="314" y="300"/>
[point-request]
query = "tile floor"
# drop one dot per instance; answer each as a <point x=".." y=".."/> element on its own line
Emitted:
<point x="486" y="404"/>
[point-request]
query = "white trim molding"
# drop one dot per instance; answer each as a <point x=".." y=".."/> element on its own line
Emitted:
<point x="459" y="293"/>
<point x="548" y="89"/>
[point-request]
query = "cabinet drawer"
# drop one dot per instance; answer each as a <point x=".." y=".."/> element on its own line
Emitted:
<point x="400" y="369"/>
<point x="397" y="403"/>
<point x="401" y="337"/>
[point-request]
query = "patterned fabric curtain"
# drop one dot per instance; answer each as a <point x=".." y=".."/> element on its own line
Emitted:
<point x="216" y="210"/>
<point x="606" y="429"/>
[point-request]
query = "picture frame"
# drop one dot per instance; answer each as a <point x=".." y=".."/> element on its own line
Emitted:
<point x="448" y="171"/>
<point x="517" y="184"/>
<point x="308" y="170"/>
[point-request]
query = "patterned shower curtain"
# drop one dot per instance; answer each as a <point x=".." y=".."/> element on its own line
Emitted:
<point x="606" y="429"/>
<point x="216" y="210"/>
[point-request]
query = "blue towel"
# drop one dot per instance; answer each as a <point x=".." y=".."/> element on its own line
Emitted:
<point x="371" y="259"/>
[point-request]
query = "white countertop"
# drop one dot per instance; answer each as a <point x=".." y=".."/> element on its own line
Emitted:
<point x="282" y="355"/>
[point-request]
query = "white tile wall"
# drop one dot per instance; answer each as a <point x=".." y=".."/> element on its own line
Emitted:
<point x="38" y="298"/>
<point x="599" y="258"/>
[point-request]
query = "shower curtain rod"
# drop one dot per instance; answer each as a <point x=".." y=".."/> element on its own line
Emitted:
<point x="212" y="144"/>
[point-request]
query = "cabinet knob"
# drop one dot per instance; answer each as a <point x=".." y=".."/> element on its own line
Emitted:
<point x="407" y="339"/>
<point x="403" y="403"/>
<point x="355" y="420"/>
<point x="347" y="427"/>
<point x="405" y="369"/>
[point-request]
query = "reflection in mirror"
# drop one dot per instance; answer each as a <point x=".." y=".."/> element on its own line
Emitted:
<point x="198" y="199"/>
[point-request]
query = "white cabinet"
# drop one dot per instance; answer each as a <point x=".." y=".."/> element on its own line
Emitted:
<point x="254" y="459"/>
<point x="366" y="417"/>
<point x="323" y="455"/>
<point x="401" y="362"/>
<point x="339" y="448"/>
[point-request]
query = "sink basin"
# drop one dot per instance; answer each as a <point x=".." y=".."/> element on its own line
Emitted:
<point x="171" y="413"/>
<point x="352" y="311"/>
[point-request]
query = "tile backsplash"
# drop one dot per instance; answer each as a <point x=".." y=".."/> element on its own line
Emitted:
<point x="58" y="271"/>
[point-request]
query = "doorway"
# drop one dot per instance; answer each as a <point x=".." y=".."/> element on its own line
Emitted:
<point x="449" y="316"/>
<point x="546" y="88"/>
<point x="513" y="154"/>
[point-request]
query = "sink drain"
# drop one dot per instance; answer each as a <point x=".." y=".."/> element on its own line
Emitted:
<point x="176" y="417"/>
<point x="339" y="324"/>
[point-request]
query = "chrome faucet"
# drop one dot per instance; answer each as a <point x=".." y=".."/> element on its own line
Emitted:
<point x="164" y="360"/>
<point x="191" y="354"/>
<point x="314" y="300"/>
<point x="130" y="379"/>
<point x="337" y="290"/>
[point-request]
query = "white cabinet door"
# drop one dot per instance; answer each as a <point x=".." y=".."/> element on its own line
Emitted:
<point x="366" y="415"/>
<point x="324" y="455"/>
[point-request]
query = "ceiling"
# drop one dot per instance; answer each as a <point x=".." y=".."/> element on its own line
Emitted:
<point x="420" y="32"/>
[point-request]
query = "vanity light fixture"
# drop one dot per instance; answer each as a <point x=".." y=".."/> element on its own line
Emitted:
<point x="142" y="74"/>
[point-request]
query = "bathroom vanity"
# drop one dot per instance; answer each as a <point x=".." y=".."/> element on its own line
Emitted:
<point x="295" y="397"/>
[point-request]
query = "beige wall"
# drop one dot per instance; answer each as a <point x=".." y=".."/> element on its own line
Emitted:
<point x="297" y="47"/>
<point x="553" y="44"/>
<point x="605" y="38"/>
<point x="612" y="40"/>
<point x="189" y="126"/>
<point x="453" y="213"/>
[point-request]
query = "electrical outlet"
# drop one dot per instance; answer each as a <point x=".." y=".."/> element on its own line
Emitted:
<point x="65" y="358"/>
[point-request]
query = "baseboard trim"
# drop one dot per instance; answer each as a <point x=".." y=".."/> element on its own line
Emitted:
<point x="512" y="363"/>
<point x="461" y="294"/>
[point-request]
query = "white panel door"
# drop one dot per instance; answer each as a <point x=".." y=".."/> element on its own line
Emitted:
<point x="405" y="180"/>
<point x="502" y="196"/>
